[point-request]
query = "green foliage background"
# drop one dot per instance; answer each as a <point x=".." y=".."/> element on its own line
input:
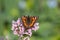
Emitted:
<point x="49" y="18"/>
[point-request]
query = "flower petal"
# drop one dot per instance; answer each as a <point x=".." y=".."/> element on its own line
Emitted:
<point x="28" y="32"/>
<point x="21" y="30"/>
<point x="15" y="33"/>
<point x="36" y="26"/>
<point x="17" y="27"/>
<point x="18" y="21"/>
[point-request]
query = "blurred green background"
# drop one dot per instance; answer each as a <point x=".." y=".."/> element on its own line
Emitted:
<point x="47" y="10"/>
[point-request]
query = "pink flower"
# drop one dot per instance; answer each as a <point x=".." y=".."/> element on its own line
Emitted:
<point x="14" y="25"/>
<point x="15" y="33"/>
<point x="28" y="32"/>
<point x="19" y="29"/>
<point x="36" y="26"/>
<point x="19" y="21"/>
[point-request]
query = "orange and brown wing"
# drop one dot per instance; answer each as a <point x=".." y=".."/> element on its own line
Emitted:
<point x="31" y="23"/>
<point x="24" y="19"/>
<point x="33" y="20"/>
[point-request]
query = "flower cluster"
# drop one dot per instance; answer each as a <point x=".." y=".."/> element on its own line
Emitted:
<point x="19" y="29"/>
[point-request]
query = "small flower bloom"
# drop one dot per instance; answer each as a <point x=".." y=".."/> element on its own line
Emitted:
<point x="19" y="21"/>
<point x="36" y="26"/>
<point x="28" y="32"/>
<point x="14" y="25"/>
<point x="19" y="29"/>
<point x="15" y="33"/>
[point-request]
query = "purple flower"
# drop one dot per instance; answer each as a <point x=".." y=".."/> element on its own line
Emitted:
<point x="28" y="32"/>
<point x="36" y="26"/>
<point x="19" y="29"/>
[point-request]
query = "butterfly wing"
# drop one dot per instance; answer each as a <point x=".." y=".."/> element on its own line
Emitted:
<point x="24" y="19"/>
<point x="33" y="20"/>
<point x="28" y="24"/>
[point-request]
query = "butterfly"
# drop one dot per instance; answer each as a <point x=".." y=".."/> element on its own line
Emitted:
<point x="28" y="21"/>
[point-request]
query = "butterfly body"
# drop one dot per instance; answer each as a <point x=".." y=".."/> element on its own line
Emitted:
<point x="28" y="21"/>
